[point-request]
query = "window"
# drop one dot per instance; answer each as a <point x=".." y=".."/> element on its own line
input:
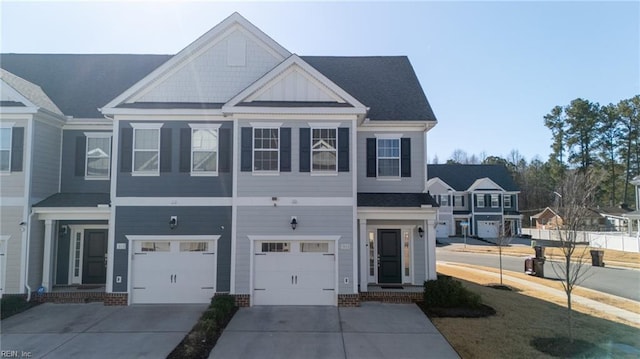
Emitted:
<point x="162" y="246"/>
<point x="458" y="201"/>
<point x="407" y="255"/>
<point x="275" y="247"/>
<point x="194" y="246"/>
<point x="5" y="149"/>
<point x="388" y="157"/>
<point x="495" y="200"/>
<point x="372" y="254"/>
<point x="98" y="156"/>
<point x="146" y="150"/>
<point x="507" y="201"/>
<point x="314" y="247"/>
<point x="323" y="149"/>
<point x="204" y="150"/>
<point x="480" y="200"/>
<point x="266" y="148"/>
<point x="77" y="255"/>
<point x="444" y="200"/>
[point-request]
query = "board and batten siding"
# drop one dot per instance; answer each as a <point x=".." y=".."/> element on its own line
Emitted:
<point x="261" y="221"/>
<point x="191" y="221"/>
<point x="413" y="184"/>
<point x="13" y="182"/>
<point x="36" y="253"/>
<point x="72" y="181"/>
<point x="10" y="226"/>
<point x="45" y="175"/>
<point x="295" y="183"/>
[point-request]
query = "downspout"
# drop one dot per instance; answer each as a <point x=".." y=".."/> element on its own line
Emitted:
<point x="26" y="264"/>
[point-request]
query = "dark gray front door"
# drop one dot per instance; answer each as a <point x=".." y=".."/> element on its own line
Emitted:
<point x="390" y="260"/>
<point x="94" y="267"/>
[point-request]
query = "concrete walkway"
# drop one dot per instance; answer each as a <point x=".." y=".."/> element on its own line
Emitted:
<point x="95" y="331"/>
<point x="373" y="330"/>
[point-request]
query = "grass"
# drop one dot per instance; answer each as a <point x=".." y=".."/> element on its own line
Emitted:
<point x="14" y="304"/>
<point x="523" y="322"/>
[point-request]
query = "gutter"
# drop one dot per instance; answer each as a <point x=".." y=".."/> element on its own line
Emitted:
<point x="26" y="263"/>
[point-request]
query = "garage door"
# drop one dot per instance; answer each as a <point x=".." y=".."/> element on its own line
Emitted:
<point x="173" y="271"/>
<point x="442" y="230"/>
<point x="294" y="273"/>
<point x="488" y="229"/>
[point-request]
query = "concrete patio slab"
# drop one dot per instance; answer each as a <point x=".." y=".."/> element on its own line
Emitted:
<point x="151" y="318"/>
<point x="276" y="345"/>
<point x="397" y="345"/>
<point x="286" y="319"/>
<point x="57" y="318"/>
<point x="374" y="317"/>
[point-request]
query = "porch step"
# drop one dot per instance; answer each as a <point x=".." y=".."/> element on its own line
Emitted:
<point x="70" y="297"/>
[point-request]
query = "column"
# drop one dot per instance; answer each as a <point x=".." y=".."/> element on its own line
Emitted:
<point x="364" y="256"/>
<point x="46" y="255"/>
<point x="430" y="248"/>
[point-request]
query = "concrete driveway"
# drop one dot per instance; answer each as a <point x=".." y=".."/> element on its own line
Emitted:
<point x="95" y="331"/>
<point x="374" y="330"/>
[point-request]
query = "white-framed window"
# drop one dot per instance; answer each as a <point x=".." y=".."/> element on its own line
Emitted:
<point x="275" y="247"/>
<point x="507" y="201"/>
<point x="458" y="201"/>
<point x="372" y="255"/>
<point x="5" y="148"/>
<point x="314" y="247"/>
<point x="480" y="200"/>
<point x="204" y="149"/>
<point x="406" y="253"/>
<point x="444" y="200"/>
<point x="495" y="200"/>
<point x="266" y="149"/>
<point x="388" y="157"/>
<point x="324" y="153"/>
<point x="146" y="149"/>
<point x="98" y="155"/>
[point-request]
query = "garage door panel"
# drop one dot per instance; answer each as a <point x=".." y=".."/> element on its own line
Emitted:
<point x="294" y="297"/>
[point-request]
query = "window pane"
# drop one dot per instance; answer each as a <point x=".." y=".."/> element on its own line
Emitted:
<point x="194" y="246"/>
<point x="98" y="167"/>
<point x="314" y="247"/>
<point x="204" y="140"/>
<point x="205" y="161"/>
<point x="372" y="254"/>
<point x="156" y="246"/>
<point x="145" y="161"/>
<point x="98" y="147"/>
<point x="389" y="167"/>
<point x="5" y="160"/>
<point x="324" y="139"/>
<point x="275" y="247"/>
<point x="147" y="139"/>
<point x="324" y="161"/>
<point x="407" y="255"/>
<point x="266" y="161"/>
<point x="5" y="138"/>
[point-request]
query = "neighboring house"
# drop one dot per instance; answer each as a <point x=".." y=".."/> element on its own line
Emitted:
<point x="600" y="219"/>
<point x="546" y="219"/>
<point x="234" y="167"/>
<point x="483" y="196"/>
<point x="635" y="215"/>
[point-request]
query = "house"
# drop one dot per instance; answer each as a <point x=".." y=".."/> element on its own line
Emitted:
<point x="482" y="197"/>
<point x="635" y="215"/>
<point x="546" y="219"/>
<point x="600" y="219"/>
<point x="234" y="166"/>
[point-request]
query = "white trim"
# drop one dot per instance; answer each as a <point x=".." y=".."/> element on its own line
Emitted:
<point x="7" y="124"/>
<point x="10" y="149"/>
<point x="205" y="126"/>
<point x="73" y="213"/>
<point x="295" y="201"/>
<point x="3" y="262"/>
<point x="146" y="125"/>
<point x="293" y="237"/>
<point x="266" y="125"/>
<point x="172" y="237"/>
<point x="111" y="239"/>
<point x="89" y="135"/>
<point x="388" y="136"/>
<point x="324" y="125"/>
<point x="143" y="127"/>
<point x="28" y="155"/>
<point x="9" y="90"/>
<point x="74" y="229"/>
<point x="234" y="206"/>
<point x="311" y="151"/>
<point x="98" y="134"/>
<point x="353" y="169"/>
<point x="173" y="201"/>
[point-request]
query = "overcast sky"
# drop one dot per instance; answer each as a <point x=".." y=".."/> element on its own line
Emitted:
<point x="491" y="70"/>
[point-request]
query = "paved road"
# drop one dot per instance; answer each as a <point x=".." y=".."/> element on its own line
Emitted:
<point x="621" y="282"/>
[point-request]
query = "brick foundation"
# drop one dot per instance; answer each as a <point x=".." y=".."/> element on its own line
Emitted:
<point x="108" y="299"/>
<point x="391" y="297"/>
<point x="242" y="300"/>
<point x="116" y="299"/>
<point x="348" y="300"/>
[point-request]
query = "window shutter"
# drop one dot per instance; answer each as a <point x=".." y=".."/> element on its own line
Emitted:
<point x="81" y="155"/>
<point x="224" y="150"/>
<point x="305" y="150"/>
<point x="185" y="150"/>
<point x="17" y="148"/>
<point x="126" y="145"/>
<point x="165" y="150"/>
<point x="371" y="157"/>
<point x="405" y="157"/>
<point x="246" y="148"/>
<point x="343" y="149"/>
<point x="285" y="149"/>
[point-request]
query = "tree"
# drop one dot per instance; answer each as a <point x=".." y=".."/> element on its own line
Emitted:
<point x="629" y="111"/>
<point x="458" y="157"/>
<point x="608" y="143"/>
<point x="555" y="121"/>
<point x="581" y="119"/>
<point x="503" y="240"/>
<point x="578" y="188"/>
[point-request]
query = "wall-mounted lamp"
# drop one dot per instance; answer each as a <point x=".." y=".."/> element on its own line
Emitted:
<point x="420" y="232"/>
<point x="23" y="226"/>
<point x="64" y="229"/>
<point x="173" y="222"/>
<point x="294" y="223"/>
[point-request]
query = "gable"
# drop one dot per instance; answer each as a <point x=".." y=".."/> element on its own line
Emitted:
<point x="484" y="184"/>
<point x="295" y="85"/>
<point x="438" y="186"/>
<point x="11" y="98"/>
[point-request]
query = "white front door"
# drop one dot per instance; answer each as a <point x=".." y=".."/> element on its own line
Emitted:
<point x="488" y="229"/>
<point x="294" y="273"/>
<point x="173" y="271"/>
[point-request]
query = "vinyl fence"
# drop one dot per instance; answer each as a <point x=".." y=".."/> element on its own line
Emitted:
<point x="606" y="240"/>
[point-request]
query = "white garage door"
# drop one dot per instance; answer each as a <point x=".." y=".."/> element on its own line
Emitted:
<point x="173" y="271"/>
<point x="442" y="230"/>
<point x="294" y="273"/>
<point x="488" y="229"/>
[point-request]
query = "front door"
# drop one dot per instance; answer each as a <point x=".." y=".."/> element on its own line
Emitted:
<point x="94" y="262"/>
<point x="389" y="254"/>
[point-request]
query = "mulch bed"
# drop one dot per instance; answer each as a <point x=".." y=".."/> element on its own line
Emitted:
<point x="197" y="345"/>
<point x="480" y="312"/>
<point x="562" y="347"/>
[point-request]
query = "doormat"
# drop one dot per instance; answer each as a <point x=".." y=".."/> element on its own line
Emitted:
<point x="392" y="287"/>
<point x="90" y="286"/>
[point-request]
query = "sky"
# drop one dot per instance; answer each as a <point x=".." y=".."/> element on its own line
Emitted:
<point x="490" y="70"/>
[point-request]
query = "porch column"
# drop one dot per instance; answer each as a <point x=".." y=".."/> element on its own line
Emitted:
<point x="364" y="256"/>
<point x="430" y="249"/>
<point x="47" y="255"/>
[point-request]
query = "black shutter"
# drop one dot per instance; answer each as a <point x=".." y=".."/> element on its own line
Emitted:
<point x="343" y="149"/>
<point x="126" y="146"/>
<point x="165" y="150"/>
<point x="17" y="148"/>
<point x="81" y="155"/>
<point x="405" y="157"/>
<point x="305" y="149"/>
<point x="224" y="150"/>
<point x="371" y="157"/>
<point x="185" y="150"/>
<point x="246" y="147"/>
<point x="285" y="149"/>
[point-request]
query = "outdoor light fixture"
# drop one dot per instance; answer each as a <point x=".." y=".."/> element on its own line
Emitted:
<point x="173" y="222"/>
<point x="294" y="223"/>
<point x="420" y="232"/>
<point x="64" y="229"/>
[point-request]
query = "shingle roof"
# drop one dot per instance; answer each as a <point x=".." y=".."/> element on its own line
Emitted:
<point x="29" y="90"/>
<point x="461" y="177"/>
<point x="75" y="200"/>
<point x="395" y="200"/>
<point x="80" y="84"/>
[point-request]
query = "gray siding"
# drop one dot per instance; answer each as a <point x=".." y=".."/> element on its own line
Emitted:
<point x="62" y="258"/>
<point x="419" y="275"/>
<point x="45" y="175"/>
<point x="191" y="220"/>
<point x="70" y="182"/>
<point x="296" y="183"/>
<point x="174" y="183"/>
<point x="413" y="184"/>
<point x="330" y="221"/>
<point x="9" y="226"/>
<point x="36" y="250"/>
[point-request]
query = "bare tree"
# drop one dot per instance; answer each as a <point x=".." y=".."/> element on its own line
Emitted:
<point x="503" y="240"/>
<point x="578" y="192"/>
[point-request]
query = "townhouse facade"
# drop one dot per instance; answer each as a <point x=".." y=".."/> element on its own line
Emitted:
<point x="233" y="167"/>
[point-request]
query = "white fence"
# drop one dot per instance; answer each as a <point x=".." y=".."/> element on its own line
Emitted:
<point x="607" y="240"/>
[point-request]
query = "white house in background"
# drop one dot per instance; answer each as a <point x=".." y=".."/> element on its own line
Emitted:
<point x="635" y="215"/>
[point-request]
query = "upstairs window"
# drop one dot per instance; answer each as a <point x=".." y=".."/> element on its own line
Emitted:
<point x="388" y="157"/>
<point x="204" y="149"/>
<point x="98" y="155"/>
<point x="146" y="149"/>
<point x="480" y="200"/>
<point x="5" y="149"/>
<point x="266" y="149"/>
<point x="444" y="200"/>
<point x="507" y="201"/>
<point x="324" y="149"/>
<point x="458" y="201"/>
<point x="495" y="200"/>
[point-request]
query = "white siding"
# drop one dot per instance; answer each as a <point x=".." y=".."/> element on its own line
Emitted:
<point x="295" y="86"/>
<point x="45" y="175"/>
<point x="10" y="218"/>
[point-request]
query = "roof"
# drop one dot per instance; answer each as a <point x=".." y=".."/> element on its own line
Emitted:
<point x="81" y="83"/>
<point x="75" y="200"/>
<point x="545" y="211"/>
<point x="395" y="200"/>
<point x="461" y="177"/>
<point x="29" y="90"/>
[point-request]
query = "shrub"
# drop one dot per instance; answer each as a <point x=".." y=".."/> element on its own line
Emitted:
<point x="14" y="304"/>
<point x="446" y="292"/>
